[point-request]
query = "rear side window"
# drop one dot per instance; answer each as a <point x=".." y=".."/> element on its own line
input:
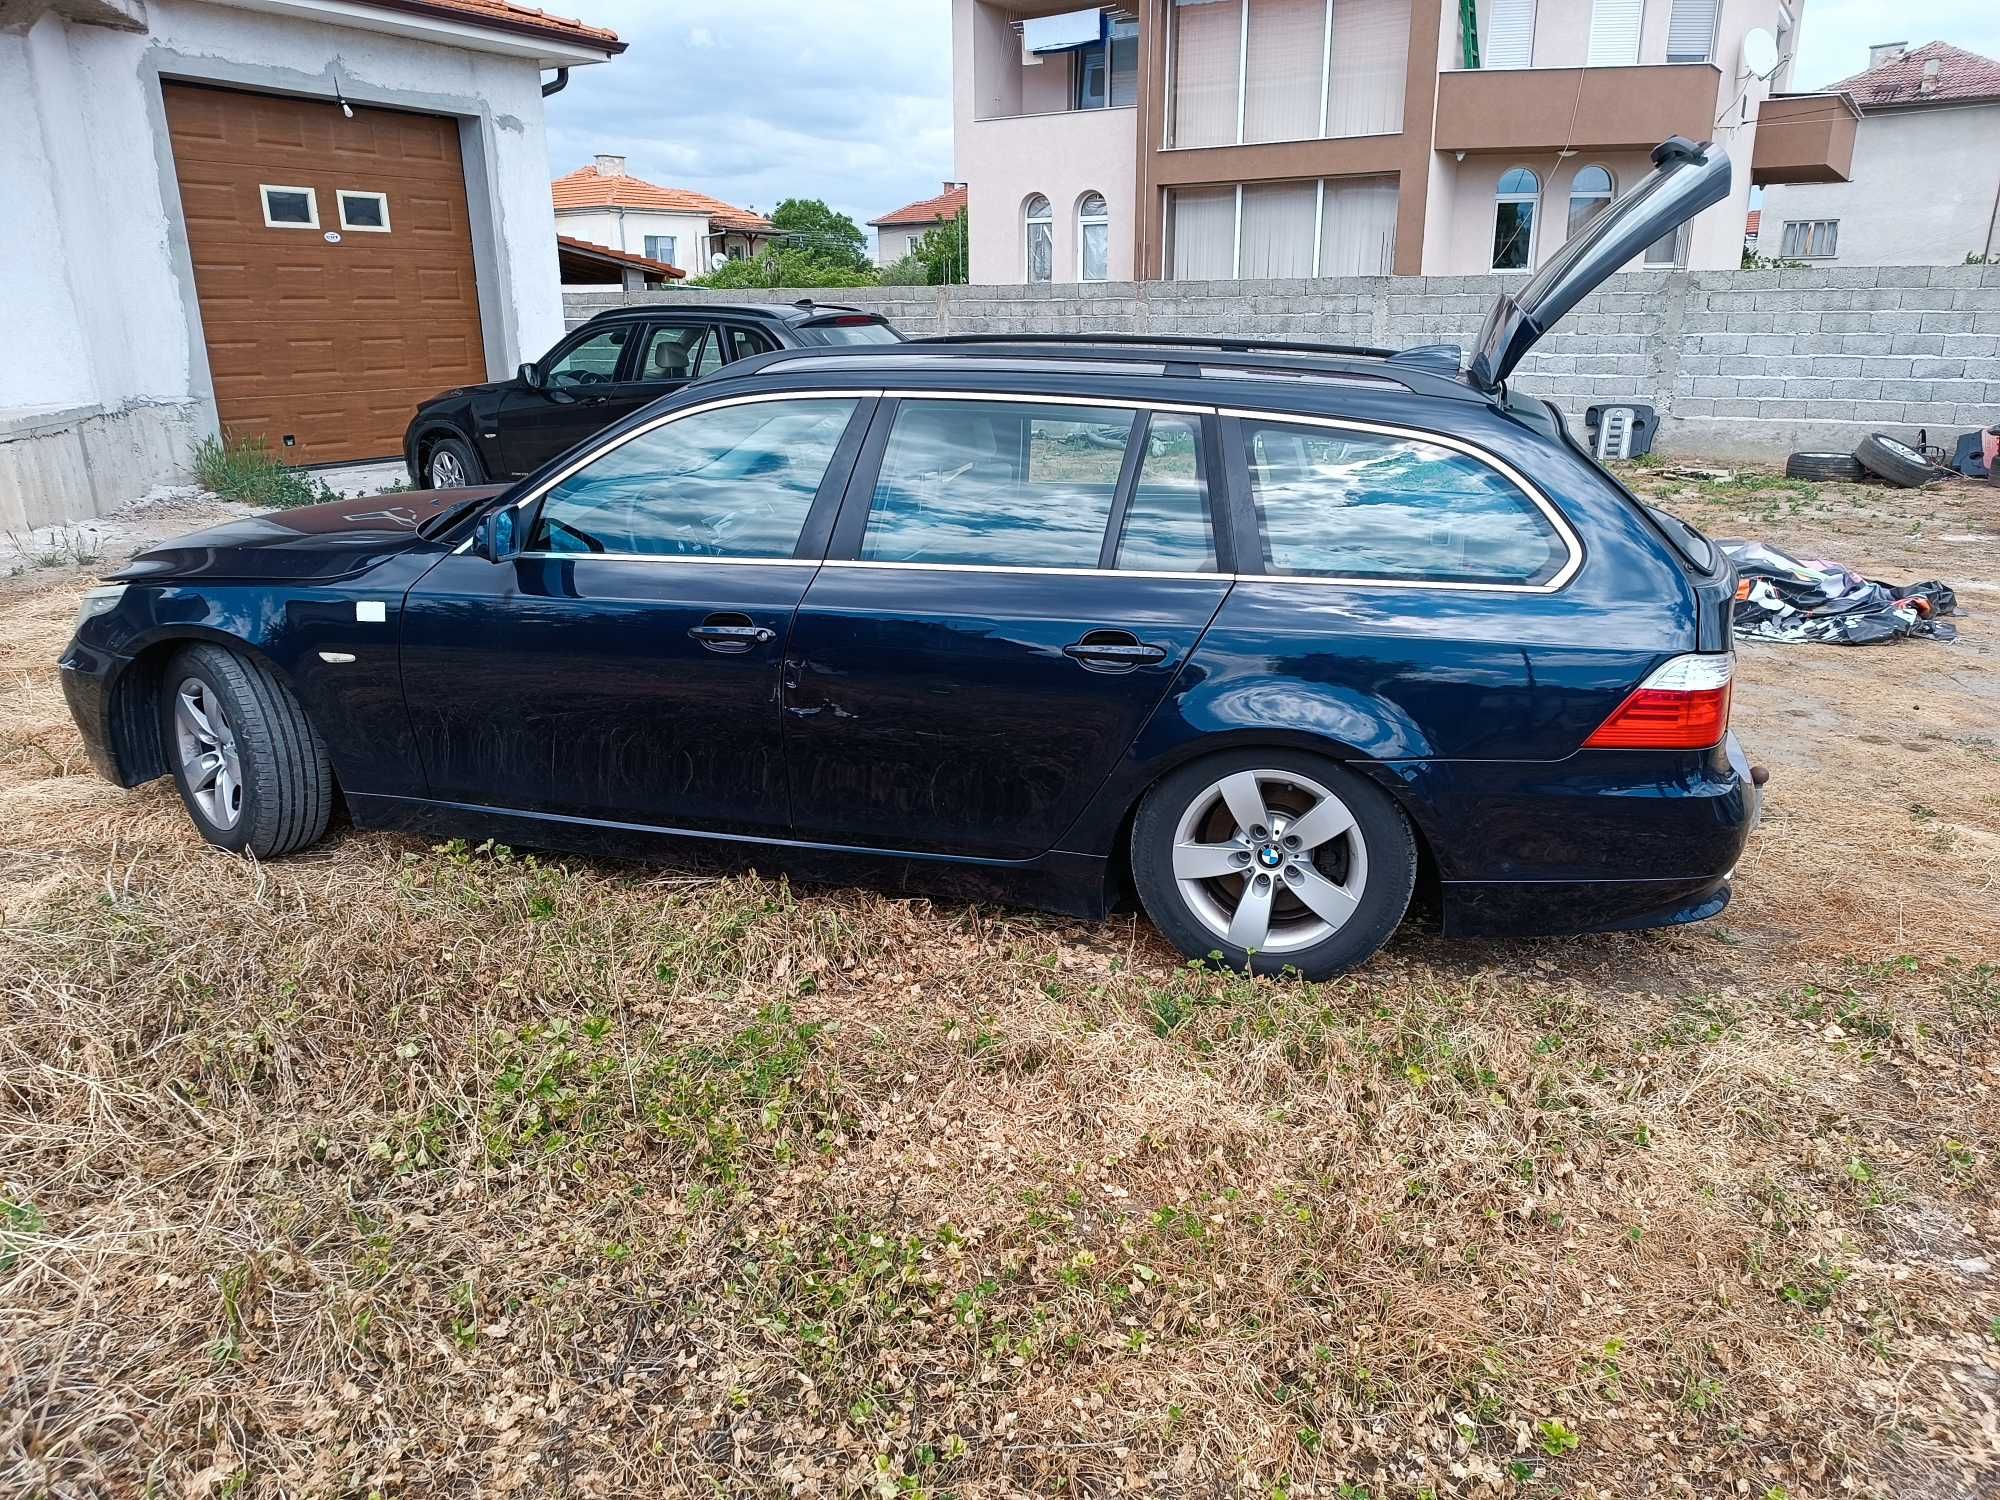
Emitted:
<point x="1335" y="503"/>
<point x="1167" y="527"/>
<point x="996" y="484"/>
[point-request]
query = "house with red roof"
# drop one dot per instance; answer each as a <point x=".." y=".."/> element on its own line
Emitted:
<point x="603" y="204"/>
<point x="896" y="234"/>
<point x="288" y="221"/>
<point x="1924" y="188"/>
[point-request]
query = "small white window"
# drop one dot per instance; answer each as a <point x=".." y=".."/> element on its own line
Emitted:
<point x="1041" y="241"/>
<point x="1590" y="193"/>
<point x="365" y="211"/>
<point x="1810" y="239"/>
<point x="289" y="207"/>
<point x="1093" y="238"/>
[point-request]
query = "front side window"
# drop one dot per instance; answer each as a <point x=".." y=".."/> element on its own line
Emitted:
<point x="1093" y="238"/>
<point x="1332" y="503"/>
<point x="1810" y="239"/>
<point x="1168" y="527"/>
<point x="592" y="362"/>
<point x="1589" y="195"/>
<point x="680" y="351"/>
<point x="734" y="481"/>
<point x="1040" y="239"/>
<point x="1514" y="220"/>
<point x="996" y="484"/>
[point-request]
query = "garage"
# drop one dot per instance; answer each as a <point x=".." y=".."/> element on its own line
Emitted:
<point x="333" y="265"/>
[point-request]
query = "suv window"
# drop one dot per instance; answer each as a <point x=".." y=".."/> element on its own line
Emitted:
<point x="1348" y="504"/>
<point x="994" y="483"/>
<point x="1168" y="526"/>
<point x="679" y="351"/>
<point x="744" y="342"/>
<point x="732" y="481"/>
<point x="592" y="362"/>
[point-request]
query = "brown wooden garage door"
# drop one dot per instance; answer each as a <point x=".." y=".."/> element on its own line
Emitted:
<point x="324" y="334"/>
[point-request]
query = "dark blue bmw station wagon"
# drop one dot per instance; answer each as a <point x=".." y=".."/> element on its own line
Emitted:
<point x="1258" y="635"/>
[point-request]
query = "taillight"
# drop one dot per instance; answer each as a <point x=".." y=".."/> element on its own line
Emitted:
<point x="1682" y="705"/>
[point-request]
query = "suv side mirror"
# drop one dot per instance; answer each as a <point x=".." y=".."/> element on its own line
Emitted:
<point x="532" y="376"/>
<point x="494" y="534"/>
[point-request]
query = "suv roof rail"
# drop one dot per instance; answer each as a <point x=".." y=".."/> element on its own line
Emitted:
<point x="1165" y="341"/>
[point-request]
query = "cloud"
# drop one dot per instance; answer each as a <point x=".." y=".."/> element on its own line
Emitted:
<point x="846" y="100"/>
<point x="1836" y="34"/>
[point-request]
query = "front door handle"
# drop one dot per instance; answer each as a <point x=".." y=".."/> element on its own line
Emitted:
<point x="731" y="633"/>
<point x="1114" y="650"/>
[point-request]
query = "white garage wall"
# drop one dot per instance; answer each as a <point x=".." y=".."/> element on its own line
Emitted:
<point x="101" y="286"/>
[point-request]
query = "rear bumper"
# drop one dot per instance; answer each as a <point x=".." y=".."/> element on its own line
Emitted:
<point x="1603" y="841"/>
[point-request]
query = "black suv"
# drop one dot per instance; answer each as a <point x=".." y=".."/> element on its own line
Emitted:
<point x="604" y="370"/>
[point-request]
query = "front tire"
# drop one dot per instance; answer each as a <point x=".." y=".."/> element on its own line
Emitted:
<point x="252" y="771"/>
<point x="1275" y="859"/>
<point x="452" y="465"/>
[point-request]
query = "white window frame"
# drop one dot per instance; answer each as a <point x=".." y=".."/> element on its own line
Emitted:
<point x="1680" y="255"/>
<point x="1029" y="219"/>
<point x="1084" y="221"/>
<point x="1534" y="221"/>
<point x="1604" y="200"/>
<point x="340" y="197"/>
<point x="1809" y="228"/>
<point x="1243" y="82"/>
<point x="264" y="191"/>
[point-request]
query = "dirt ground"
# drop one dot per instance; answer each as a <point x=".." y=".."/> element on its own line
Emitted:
<point x="399" y="1170"/>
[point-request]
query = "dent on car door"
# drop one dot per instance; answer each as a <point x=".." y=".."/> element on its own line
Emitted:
<point x="624" y="665"/>
<point x="1012" y="589"/>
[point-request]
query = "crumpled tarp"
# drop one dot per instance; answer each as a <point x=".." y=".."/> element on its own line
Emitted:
<point x="1780" y="598"/>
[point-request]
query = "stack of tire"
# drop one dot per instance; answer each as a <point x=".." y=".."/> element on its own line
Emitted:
<point x="1877" y="457"/>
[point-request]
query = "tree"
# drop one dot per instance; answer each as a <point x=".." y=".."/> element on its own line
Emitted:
<point x="939" y="258"/>
<point x="780" y="265"/>
<point x="808" y="224"/>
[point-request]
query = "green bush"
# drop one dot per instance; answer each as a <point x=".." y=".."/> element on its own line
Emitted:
<point x="246" y="469"/>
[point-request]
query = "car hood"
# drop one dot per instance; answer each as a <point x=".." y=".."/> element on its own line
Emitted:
<point x="312" y="544"/>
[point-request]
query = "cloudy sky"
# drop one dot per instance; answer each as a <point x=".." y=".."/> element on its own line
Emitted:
<point x="850" y="100"/>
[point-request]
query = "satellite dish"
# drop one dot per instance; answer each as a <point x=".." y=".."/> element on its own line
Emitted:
<point x="717" y="261"/>
<point x="1760" y="53"/>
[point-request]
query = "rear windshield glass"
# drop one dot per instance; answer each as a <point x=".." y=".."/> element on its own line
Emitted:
<point x="875" y="332"/>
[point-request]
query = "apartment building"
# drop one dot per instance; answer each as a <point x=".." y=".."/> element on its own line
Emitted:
<point x="1218" y="139"/>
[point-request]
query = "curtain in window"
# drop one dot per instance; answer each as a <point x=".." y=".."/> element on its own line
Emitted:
<point x="1281" y="75"/>
<point x="1510" y="35"/>
<point x="1691" y="31"/>
<point x="1203" y="228"/>
<point x="1614" y="33"/>
<point x="1357" y="233"/>
<point x="1371" y="45"/>
<point x="1278" y="228"/>
<point x="1201" y="104"/>
<point x="1124" y="62"/>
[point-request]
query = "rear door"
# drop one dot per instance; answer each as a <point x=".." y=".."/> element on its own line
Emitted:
<point x="1013" y="585"/>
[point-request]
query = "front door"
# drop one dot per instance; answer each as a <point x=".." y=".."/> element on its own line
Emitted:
<point x="624" y="666"/>
<point x="1013" y="586"/>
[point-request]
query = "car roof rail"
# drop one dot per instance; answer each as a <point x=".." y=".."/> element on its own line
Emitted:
<point x="1164" y="341"/>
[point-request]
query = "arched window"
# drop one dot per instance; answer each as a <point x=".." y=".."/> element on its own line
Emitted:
<point x="1093" y="238"/>
<point x="1040" y="238"/>
<point x="1514" y="220"/>
<point x="1589" y="195"/>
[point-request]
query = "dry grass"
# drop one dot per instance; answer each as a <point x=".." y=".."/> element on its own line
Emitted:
<point x="403" y="1171"/>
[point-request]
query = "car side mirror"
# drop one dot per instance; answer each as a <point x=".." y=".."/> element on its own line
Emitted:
<point x="493" y="534"/>
<point x="533" y="376"/>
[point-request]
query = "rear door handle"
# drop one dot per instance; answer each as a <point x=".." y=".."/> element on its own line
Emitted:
<point x="731" y="633"/>
<point x="1103" y="649"/>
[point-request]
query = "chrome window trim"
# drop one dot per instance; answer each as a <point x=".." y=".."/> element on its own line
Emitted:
<point x="1555" y="582"/>
<point x="650" y="557"/>
<point x="940" y="567"/>
<point x="1032" y="398"/>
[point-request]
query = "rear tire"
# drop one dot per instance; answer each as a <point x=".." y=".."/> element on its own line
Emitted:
<point x="1841" y="467"/>
<point x="252" y="771"/>
<point x="450" y="464"/>
<point x="1898" y="463"/>
<point x="1274" y="859"/>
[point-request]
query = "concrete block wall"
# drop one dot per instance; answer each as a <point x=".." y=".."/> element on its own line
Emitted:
<point x="1747" y="365"/>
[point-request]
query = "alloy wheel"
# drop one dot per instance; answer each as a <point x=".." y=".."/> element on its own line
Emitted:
<point x="1269" y="861"/>
<point x="210" y="764"/>
<point x="447" y="473"/>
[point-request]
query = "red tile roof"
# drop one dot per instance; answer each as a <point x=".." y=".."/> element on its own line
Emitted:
<point x="622" y="257"/>
<point x="586" y="188"/>
<point x="504" y="15"/>
<point x="1961" y="75"/>
<point x="941" y="209"/>
<point x="1750" y="224"/>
